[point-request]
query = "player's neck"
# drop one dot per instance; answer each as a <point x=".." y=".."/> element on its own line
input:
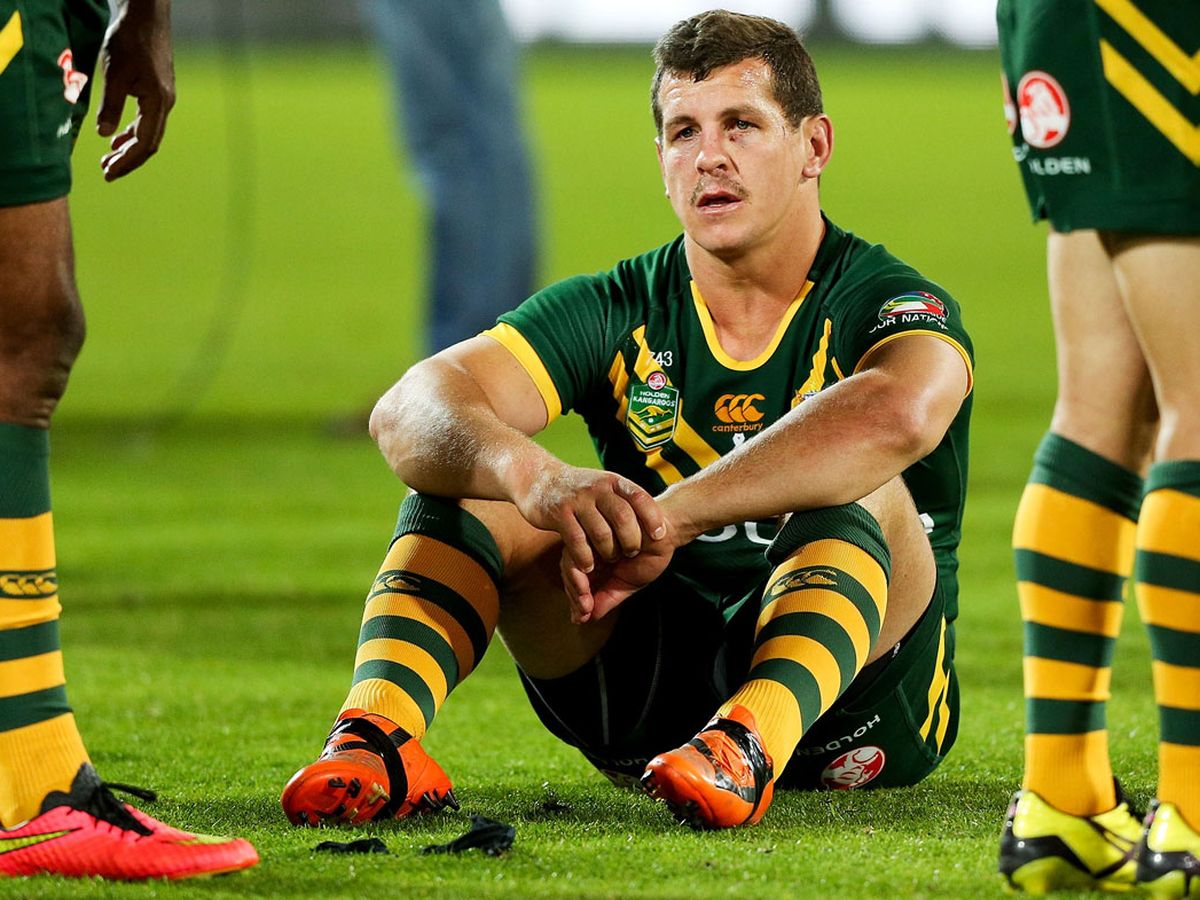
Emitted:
<point x="747" y="295"/>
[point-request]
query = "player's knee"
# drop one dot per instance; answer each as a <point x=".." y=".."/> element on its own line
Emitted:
<point x="40" y="338"/>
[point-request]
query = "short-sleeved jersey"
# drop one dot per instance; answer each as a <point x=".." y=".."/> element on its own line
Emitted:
<point x="634" y="351"/>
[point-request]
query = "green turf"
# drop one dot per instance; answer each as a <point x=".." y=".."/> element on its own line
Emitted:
<point x="213" y="573"/>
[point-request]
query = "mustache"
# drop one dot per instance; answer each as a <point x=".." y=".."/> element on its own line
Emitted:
<point x="721" y="184"/>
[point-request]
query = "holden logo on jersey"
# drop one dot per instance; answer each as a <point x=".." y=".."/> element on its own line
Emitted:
<point x="1045" y="113"/>
<point x="73" y="81"/>
<point x="854" y="768"/>
<point x="653" y="411"/>
<point x="738" y="413"/>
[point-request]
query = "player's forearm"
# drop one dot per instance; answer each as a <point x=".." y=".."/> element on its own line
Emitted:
<point x="836" y="447"/>
<point x="440" y="436"/>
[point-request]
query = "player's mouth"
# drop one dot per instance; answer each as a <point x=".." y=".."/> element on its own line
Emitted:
<point x="716" y="200"/>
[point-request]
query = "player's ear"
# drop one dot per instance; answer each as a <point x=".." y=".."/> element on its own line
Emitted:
<point x="817" y="134"/>
<point x="662" y="169"/>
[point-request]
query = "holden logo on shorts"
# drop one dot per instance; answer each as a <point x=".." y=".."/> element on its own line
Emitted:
<point x="73" y="81"/>
<point x="854" y="768"/>
<point x="1045" y="113"/>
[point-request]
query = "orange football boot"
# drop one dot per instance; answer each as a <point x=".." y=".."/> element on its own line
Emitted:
<point x="89" y="833"/>
<point x="370" y="769"/>
<point x="720" y="778"/>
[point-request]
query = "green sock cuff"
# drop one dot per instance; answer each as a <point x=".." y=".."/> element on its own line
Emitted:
<point x="24" y="471"/>
<point x="1062" y="464"/>
<point x="1181" y="475"/>
<point x="446" y="521"/>
<point x="849" y="522"/>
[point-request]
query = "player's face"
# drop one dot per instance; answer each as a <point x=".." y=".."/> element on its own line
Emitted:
<point x="735" y="170"/>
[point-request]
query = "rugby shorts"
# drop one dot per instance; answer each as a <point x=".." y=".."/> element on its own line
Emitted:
<point x="673" y="659"/>
<point x="1101" y="100"/>
<point x="48" y="53"/>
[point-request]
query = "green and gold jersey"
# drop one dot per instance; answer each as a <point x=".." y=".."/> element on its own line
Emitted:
<point x="634" y="351"/>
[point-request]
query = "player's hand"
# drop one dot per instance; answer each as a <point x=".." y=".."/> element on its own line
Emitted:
<point x="594" y="594"/>
<point x="137" y="63"/>
<point x="599" y="515"/>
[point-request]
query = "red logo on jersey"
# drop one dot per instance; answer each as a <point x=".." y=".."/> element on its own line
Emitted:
<point x="1010" y="108"/>
<point x="854" y="768"/>
<point x="656" y="381"/>
<point x="73" y="81"/>
<point x="1045" y="113"/>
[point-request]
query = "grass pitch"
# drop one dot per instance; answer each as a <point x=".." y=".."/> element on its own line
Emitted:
<point x="213" y="570"/>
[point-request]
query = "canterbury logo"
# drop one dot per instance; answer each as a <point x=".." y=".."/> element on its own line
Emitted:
<point x="12" y="844"/>
<point x="397" y="581"/>
<point x="28" y="585"/>
<point x="812" y="577"/>
<point x="732" y="408"/>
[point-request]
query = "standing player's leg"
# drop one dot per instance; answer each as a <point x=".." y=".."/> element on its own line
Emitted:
<point x="828" y="611"/>
<point x="60" y="817"/>
<point x="1160" y="280"/>
<point x="1073" y="547"/>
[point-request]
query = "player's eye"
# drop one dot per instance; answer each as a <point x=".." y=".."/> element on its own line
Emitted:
<point x="742" y="125"/>
<point x="684" y="133"/>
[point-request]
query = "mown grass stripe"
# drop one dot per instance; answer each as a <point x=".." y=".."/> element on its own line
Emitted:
<point x="1070" y="578"/>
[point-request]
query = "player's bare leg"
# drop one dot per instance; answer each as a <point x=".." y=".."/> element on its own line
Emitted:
<point x="867" y="571"/>
<point x="58" y="816"/>
<point x="1159" y="278"/>
<point x="1073" y="544"/>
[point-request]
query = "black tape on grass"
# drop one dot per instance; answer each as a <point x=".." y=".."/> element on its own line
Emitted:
<point x="366" y="845"/>
<point x="492" y="837"/>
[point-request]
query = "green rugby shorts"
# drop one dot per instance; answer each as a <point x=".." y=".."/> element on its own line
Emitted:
<point x="48" y="53"/>
<point x="1102" y="99"/>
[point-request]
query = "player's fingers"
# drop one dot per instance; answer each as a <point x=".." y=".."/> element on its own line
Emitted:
<point x="646" y="509"/>
<point x="578" y="590"/>
<point x="624" y="523"/>
<point x="576" y="546"/>
<point x="599" y="533"/>
<point x="147" y="133"/>
<point x="112" y="105"/>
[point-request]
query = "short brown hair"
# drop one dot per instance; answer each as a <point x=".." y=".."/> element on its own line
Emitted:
<point x="718" y="38"/>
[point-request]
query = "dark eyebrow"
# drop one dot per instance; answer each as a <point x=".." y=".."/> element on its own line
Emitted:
<point x="731" y="112"/>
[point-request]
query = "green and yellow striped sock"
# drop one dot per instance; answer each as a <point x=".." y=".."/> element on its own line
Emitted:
<point x="1073" y="547"/>
<point x="820" y="618"/>
<point x="1167" y="586"/>
<point x="430" y="615"/>
<point x="40" y="747"/>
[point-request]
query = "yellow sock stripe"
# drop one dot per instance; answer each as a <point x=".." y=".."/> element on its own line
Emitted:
<point x="812" y="655"/>
<point x="1081" y="530"/>
<point x="1052" y="679"/>
<point x="27" y="544"/>
<point x="1072" y="772"/>
<point x="1167" y="607"/>
<point x="415" y="657"/>
<point x="1146" y="99"/>
<point x="34" y="760"/>
<point x="1046" y="606"/>
<point x="777" y="714"/>
<point x="1177" y="686"/>
<point x="830" y="604"/>
<point x="433" y="616"/>
<point x="11" y="40"/>
<point x="21" y="613"/>
<point x="1177" y="779"/>
<point x="33" y="673"/>
<point x="1170" y="522"/>
<point x="1184" y="68"/>
<point x="448" y="566"/>
<point x="938" y="684"/>
<point x="380" y="696"/>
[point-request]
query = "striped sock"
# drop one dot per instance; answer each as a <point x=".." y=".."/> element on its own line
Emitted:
<point x="1073" y="543"/>
<point x="1167" y="586"/>
<point x="40" y="747"/>
<point x="820" y="618"/>
<point x="430" y="614"/>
